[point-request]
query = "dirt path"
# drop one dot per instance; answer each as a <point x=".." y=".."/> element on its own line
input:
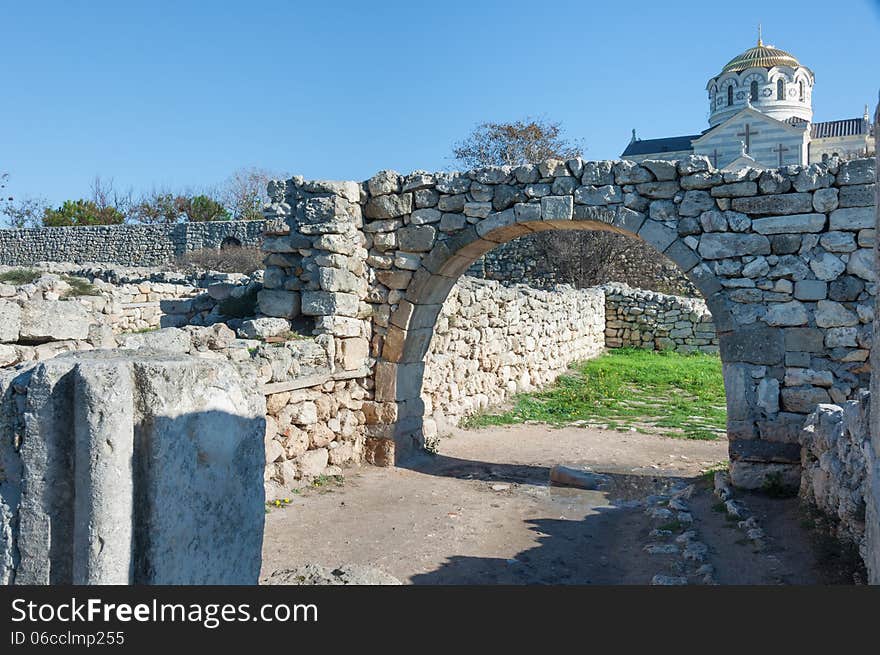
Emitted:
<point x="481" y="512"/>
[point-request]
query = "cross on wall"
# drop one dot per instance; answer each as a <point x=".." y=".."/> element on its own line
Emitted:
<point x="748" y="133"/>
<point x="780" y="149"/>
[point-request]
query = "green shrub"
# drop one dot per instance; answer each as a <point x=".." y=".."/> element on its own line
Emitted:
<point x="18" y="276"/>
<point x="200" y="209"/>
<point x="81" y="212"/>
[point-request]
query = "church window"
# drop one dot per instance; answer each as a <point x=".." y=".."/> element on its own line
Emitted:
<point x="801" y="90"/>
<point x="729" y="96"/>
<point x="753" y="91"/>
<point x="780" y="89"/>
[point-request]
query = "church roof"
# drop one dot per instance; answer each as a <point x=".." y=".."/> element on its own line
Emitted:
<point x="657" y="146"/>
<point x="846" y="127"/>
<point x="762" y="56"/>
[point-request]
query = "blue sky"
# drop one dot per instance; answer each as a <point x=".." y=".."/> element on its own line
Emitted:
<point x="182" y="93"/>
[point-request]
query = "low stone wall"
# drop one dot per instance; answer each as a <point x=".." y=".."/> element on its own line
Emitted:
<point x="493" y="340"/>
<point x="128" y="245"/>
<point x="636" y="318"/>
<point x="37" y="321"/>
<point x="835" y="448"/>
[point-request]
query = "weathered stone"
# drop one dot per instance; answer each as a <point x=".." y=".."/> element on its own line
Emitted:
<point x="416" y="238"/>
<point x="52" y="320"/>
<point x="556" y="208"/>
<point x="279" y="303"/>
<point x="832" y="314"/>
<point x="722" y="245"/>
<point x="786" y="203"/>
<point x="789" y="224"/>
<point x="852" y="218"/>
<point x="695" y="202"/>
<point x="786" y="314"/>
<point x="10" y="321"/>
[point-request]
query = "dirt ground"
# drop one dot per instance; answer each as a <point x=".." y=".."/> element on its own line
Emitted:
<point x="481" y="511"/>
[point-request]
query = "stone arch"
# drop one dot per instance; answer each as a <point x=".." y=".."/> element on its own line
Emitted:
<point x="230" y="242"/>
<point x="400" y="366"/>
<point x="782" y="258"/>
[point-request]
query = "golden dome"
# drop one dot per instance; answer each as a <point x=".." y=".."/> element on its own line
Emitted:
<point x="761" y="56"/>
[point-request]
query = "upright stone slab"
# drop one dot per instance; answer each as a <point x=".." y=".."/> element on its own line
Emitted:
<point x="135" y="467"/>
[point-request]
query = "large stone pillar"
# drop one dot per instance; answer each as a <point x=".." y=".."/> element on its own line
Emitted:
<point x="135" y="468"/>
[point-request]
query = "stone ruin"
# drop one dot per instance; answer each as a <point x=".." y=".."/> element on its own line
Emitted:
<point x="400" y="342"/>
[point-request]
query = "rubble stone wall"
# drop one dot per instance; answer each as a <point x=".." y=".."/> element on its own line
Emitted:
<point x="834" y="455"/>
<point x="493" y="340"/>
<point x="635" y="318"/>
<point x="128" y="245"/>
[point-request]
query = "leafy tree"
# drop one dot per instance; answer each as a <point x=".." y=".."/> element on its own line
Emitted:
<point x="526" y="141"/>
<point x="81" y="212"/>
<point x="160" y="207"/>
<point x="203" y="208"/>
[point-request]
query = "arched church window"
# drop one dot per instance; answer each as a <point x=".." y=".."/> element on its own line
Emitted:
<point x="801" y="90"/>
<point x="780" y="89"/>
<point x="729" y="96"/>
<point x="753" y="91"/>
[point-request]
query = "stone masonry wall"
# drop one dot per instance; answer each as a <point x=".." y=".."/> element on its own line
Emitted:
<point x="127" y="245"/>
<point x="636" y="318"/>
<point x="537" y="260"/>
<point x="493" y="340"/>
<point x="835" y="441"/>
<point x="782" y="257"/>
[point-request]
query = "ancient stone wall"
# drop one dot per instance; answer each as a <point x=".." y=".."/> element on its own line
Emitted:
<point x="782" y="257"/>
<point x="635" y="318"/>
<point x="545" y="260"/>
<point x="127" y="245"/>
<point x="834" y="455"/>
<point x="38" y="321"/>
<point x="493" y="340"/>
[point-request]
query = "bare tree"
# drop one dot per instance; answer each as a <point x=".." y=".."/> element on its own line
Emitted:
<point x="581" y="258"/>
<point x="106" y="196"/>
<point x="244" y="192"/>
<point x="526" y="141"/>
<point x="23" y="212"/>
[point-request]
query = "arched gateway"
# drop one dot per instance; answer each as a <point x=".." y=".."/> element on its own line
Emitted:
<point x="782" y="257"/>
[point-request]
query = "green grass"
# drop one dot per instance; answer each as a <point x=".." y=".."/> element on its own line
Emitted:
<point x="19" y="276"/>
<point x="652" y="392"/>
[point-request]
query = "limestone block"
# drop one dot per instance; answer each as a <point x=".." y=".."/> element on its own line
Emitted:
<point x="10" y="321"/>
<point x="53" y="320"/>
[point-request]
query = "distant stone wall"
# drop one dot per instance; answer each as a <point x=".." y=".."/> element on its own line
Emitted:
<point x="128" y="245"/>
<point x="493" y="340"/>
<point x="636" y="318"/>
<point x="534" y="259"/>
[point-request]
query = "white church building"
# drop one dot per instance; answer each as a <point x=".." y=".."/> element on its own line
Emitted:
<point x="761" y="115"/>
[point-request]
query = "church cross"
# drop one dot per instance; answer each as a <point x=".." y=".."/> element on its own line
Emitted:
<point x="715" y="158"/>
<point x="748" y="134"/>
<point x="780" y="149"/>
